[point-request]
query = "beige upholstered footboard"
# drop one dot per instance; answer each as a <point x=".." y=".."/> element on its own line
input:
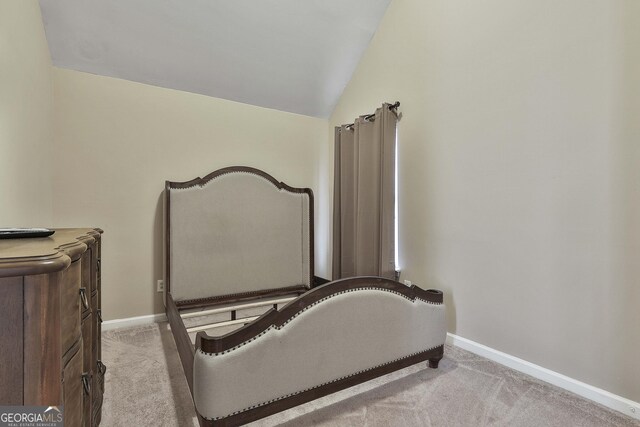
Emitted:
<point x="332" y="337"/>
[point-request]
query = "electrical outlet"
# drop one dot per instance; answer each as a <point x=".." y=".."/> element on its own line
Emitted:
<point x="160" y="285"/>
<point x="408" y="282"/>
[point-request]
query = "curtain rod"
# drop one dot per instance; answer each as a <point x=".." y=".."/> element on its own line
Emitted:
<point x="393" y="106"/>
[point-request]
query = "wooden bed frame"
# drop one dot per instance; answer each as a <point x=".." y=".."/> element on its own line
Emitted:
<point x="311" y="317"/>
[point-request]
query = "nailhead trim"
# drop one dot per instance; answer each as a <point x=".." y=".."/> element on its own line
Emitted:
<point x="228" y="173"/>
<point x="319" y="385"/>
<point x="307" y="308"/>
<point x="213" y="179"/>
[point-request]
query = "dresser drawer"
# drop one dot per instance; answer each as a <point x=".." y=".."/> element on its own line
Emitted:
<point x="88" y="364"/>
<point x="70" y="301"/>
<point x="86" y="283"/>
<point x="95" y="330"/>
<point x="72" y="391"/>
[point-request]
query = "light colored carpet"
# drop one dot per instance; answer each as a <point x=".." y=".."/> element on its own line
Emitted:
<point x="145" y="386"/>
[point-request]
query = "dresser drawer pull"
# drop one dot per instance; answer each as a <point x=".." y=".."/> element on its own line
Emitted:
<point x="99" y="315"/>
<point x="102" y="368"/>
<point x="83" y="297"/>
<point x="86" y="383"/>
<point x="98" y="264"/>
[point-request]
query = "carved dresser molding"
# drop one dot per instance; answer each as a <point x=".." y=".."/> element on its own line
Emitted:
<point x="50" y="324"/>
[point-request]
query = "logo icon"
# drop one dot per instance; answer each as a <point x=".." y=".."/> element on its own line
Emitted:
<point x="32" y="416"/>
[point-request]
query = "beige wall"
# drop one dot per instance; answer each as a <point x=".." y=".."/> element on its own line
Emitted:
<point x="26" y="100"/>
<point x="519" y="177"/>
<point x="118" y="141"/>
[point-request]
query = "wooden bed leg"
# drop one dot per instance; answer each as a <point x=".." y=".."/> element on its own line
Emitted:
<point x="438" y="354"/>
<point x="433" y="362"/>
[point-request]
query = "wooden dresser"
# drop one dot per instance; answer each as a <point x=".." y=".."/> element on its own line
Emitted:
<point x="50" y="351"/>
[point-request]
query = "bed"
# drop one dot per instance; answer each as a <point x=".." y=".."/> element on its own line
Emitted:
<point x="257" y="332"/>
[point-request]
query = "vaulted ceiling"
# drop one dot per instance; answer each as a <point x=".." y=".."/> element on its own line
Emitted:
<point x="289" y="55"/>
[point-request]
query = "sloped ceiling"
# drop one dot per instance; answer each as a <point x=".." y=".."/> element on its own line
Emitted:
<point x="289" y="55"/>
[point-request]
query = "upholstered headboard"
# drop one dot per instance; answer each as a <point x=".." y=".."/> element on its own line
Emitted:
<point x="237" y="231"/>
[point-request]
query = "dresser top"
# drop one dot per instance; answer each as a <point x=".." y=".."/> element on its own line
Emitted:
<point x="27" y="256"/>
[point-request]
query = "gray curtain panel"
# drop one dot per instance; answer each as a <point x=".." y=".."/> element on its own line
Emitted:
<point x="364" y="196"/>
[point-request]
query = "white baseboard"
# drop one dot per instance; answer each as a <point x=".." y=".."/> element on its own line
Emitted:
<point x="108" y="325"/>
<point x="603" y="397"/>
